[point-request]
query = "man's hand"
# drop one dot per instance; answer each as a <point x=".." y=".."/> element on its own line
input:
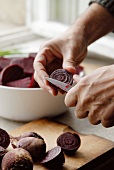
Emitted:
<point x="93" y="97"/>
<point x="70" y="47"/>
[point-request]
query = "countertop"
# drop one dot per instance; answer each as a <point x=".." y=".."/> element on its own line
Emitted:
<point x="81" y="125"/>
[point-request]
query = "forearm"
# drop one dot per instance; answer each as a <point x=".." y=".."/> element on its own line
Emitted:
<point x="95" y="22"/>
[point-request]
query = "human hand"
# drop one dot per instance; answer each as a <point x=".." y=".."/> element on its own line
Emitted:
<point x="70" y="48"/>
<point x="93" y="96"/>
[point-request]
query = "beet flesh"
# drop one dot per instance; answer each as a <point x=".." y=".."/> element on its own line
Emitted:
<point x="4" y="138"/>
<point x="54" y="158"/>
<point x="69" y="142"/>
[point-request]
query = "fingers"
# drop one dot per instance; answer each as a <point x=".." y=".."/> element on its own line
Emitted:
<point x="69" y="62"/>
<point x="71" y="98"/>
<point x="76" y="78"/>
<point x="40" y="74"/>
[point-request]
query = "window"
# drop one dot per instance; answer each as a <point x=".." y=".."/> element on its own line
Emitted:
<point x="26" y="20"/>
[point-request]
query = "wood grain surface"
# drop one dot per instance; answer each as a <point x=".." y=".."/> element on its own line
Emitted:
<point x="91" y="146"/>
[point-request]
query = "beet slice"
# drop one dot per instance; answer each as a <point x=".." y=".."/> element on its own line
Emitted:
<point x="11" y="73"/>
<point x="54" y="65"/>
<point x="69" y="142"/>
<point x="26" y="63"/>
<point x="4" y="138"/>
<point x="33" y="83"/>
<point x="4" y="62"/>
<point x="22" y="83"/>
<point x="63" y="76"/>
<point x="54" y="158"/>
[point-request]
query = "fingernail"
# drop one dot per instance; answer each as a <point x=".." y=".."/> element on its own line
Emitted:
<point x="50" y="91"/>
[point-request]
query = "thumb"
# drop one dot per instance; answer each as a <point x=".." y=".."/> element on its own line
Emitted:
<point x="69" y="62"/>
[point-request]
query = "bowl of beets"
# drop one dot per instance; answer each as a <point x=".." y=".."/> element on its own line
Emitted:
<point x="21" y="98"/>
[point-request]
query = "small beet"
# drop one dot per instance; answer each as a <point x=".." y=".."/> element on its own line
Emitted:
<point x="4" y="138"/>
<point x="54" y="158"/>
<point x="69" y="142"/>
<point x="11" y="73"/>
<point x="36" y="147"/>
<point x="63" y="76"/>
<point x="17" y="159"/>
<point x="26" y="63"/>
<point x="30" y="134"/>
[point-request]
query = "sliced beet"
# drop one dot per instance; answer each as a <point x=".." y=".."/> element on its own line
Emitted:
<point x="33" y="83"/>
<point x="4" y="138"/>
<point x="69" y="142"/>
<point x="26" y="63"/>
<point x="54" y="65"/>
<point x="4" y="62"/>
<point x="22" y="83"/>
<point x="54" y="158"/>
<point x="11" y="73"/>
<point x="63" y="76"/>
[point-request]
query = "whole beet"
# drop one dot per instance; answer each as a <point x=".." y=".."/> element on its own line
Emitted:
<point x="17" y="159"/>
<point x="36" y="147"/>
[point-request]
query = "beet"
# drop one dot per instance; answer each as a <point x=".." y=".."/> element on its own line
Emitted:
<point x="4" y="138"/>
<point x="11" y="73"/>
<point x="29" y="134"/>
<point x="33" y="83"/>
<point x="36" y="147"/>
<point x="17" y="159"/>
<point x="22" y="83"/>
<point x="26" y="63"/>
<point x="54" y="65"/>
<point x="69" y="142"/>
<point x="54" y="158"/>
<point x="4" y="62"/>
<point x="63" y="76"/>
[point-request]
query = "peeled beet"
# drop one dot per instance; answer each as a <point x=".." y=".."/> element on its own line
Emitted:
<point x="11" y="73"/>
<point x="54" y="158"/>
<point x="63" y="76"/>
<point x="4" y="138"/>
<point x="69" y="142"/>
<point x="26" y="63"/>
<point x="22" y="83"/>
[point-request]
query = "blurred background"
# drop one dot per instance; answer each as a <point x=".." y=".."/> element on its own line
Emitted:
<point x="25" y="24"/>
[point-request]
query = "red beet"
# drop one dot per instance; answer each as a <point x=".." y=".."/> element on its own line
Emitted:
<point x="11" y="73"/>
<point x="36" y="147"/>
<point x="4" y="62"/>
<point x="22" y="83"/>
<point x="26" y="63"/>
<point x="33" y="83"/>
<point x="4" y="138"/>
<point x="54" y="158"/>
<point x="69" y="142"/>
<point x="17" y="159"/>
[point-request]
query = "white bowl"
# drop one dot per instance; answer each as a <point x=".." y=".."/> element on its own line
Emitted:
<point x="26" y="104"/>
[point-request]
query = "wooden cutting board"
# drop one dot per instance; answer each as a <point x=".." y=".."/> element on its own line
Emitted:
<point x="92" y="147"/>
